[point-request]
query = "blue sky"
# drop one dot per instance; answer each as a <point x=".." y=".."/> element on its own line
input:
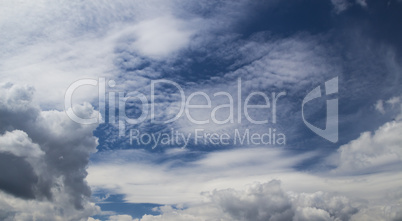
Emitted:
<point x="201" y="110"/>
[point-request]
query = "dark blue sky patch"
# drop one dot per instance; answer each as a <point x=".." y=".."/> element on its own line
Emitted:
<point x="285" y="18"/>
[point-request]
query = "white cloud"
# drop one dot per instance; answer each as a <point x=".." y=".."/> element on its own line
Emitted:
<point x="389" y="105"/>
<point x="19" y="144"/>
<point x="121" y="218"/>
<point x="342" y="5"/>
<point x="52" y="66"/>
<point x="370" y="153"/>
<point x="323" y="206"/>
<point x="362" y="3"/>
<point x="394" y="100"/>
<point x="379" y="106"/>
<point x="49" y="45"/>
<point x="160" y="37"/>
<point x="183" y="184"/>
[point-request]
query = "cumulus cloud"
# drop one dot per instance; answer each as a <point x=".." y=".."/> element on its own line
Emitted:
<point x="20" y="179"/>
<point x="372" y="152"/>
<point x="19" y="144"/>
<point x="24" y="157"/>
<point x="323" y="206"/>
<point x="44" y="156"/>
<point x="260" y="201"/>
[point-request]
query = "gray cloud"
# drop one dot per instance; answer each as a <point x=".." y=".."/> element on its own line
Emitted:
<point x="19" y="178"/>
<point x="262" y="202"/>
<point x="43" y="156"/>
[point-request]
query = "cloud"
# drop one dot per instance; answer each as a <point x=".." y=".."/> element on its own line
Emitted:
<point x="285" y="66"/>
<point x="394" y="100"/>
<point x="138" y="174"/>
<point x="24" y="157"/>
<point x="19" y="144"/>
<point x="161" y="36"/>
<point x="342" y="5"/>
<point x="368" y="164"/>
<point x="183" y="181"/>
<point x="121" y="218"/>
<point x="44" y="155"/>
<point x="372" y="152"/>
<point x="393" y="103"/>
<point x="52" y="45"/>
<point x="19" y="179"/>
<point x="323" y="206"/>
<point x="260" y="201"/>
<point x="380" y="106"/>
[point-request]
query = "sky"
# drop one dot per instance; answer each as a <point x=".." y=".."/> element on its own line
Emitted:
<point x="201" y="110"/>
